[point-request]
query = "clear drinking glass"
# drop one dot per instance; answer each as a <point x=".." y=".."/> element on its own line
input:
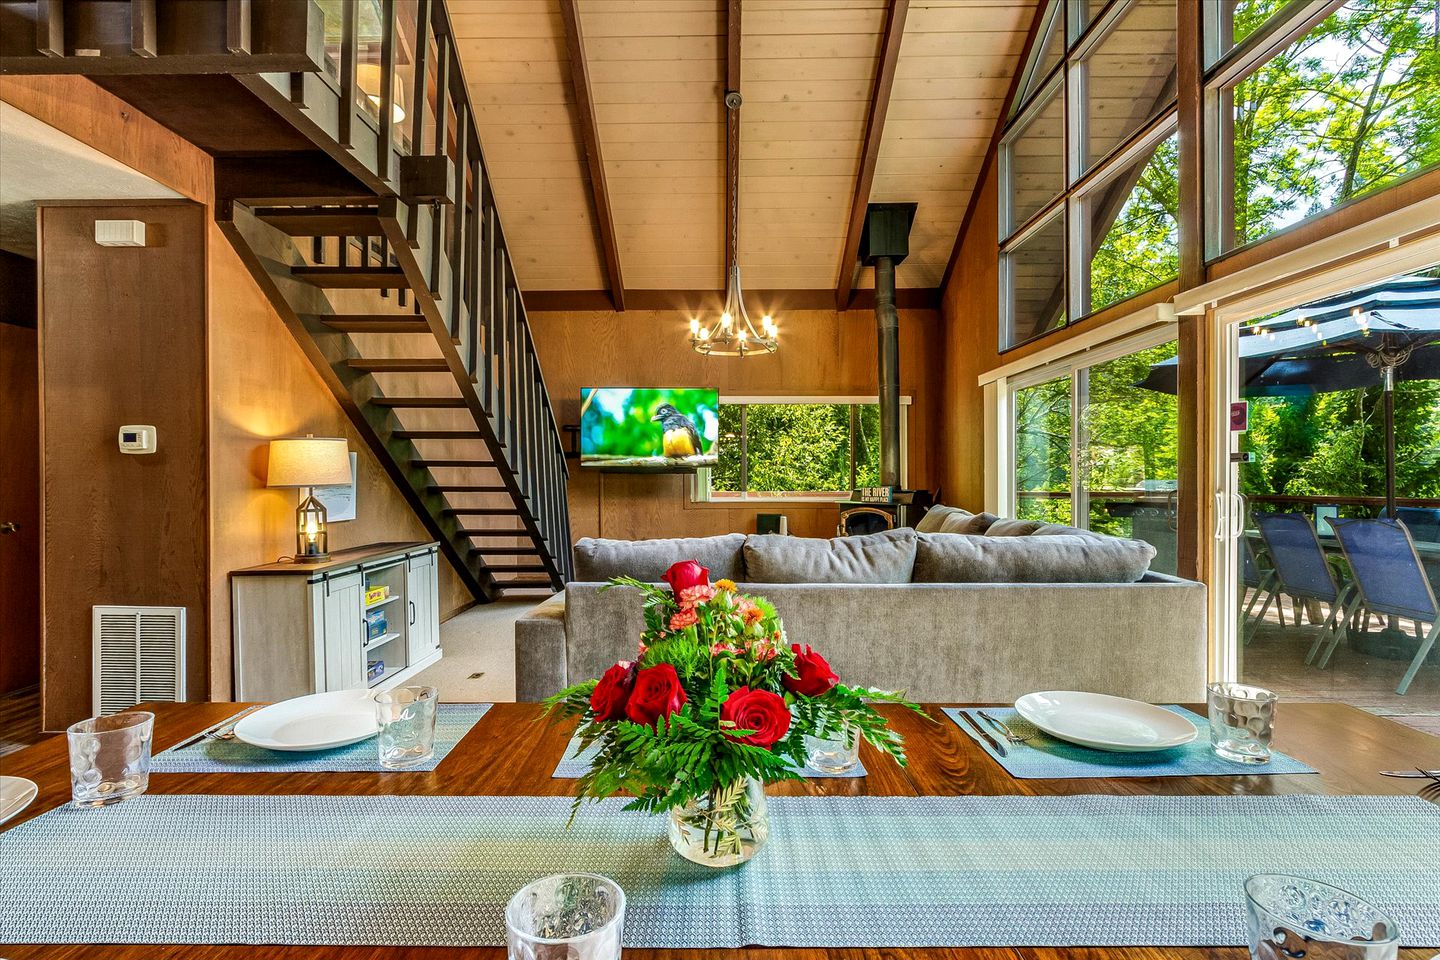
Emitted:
<point x="110" y="757"/>
<point x="569" y="916"/>
<point x="1242" y="721"/>
<point x="1296" y="917"/>
<point x="837" y="753"/>
<point x="407" y="725"/>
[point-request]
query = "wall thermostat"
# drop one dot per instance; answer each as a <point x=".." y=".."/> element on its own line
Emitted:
<point x="137" y="438"/>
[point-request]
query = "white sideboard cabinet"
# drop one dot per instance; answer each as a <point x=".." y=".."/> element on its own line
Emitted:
<point x="367" y="617"/>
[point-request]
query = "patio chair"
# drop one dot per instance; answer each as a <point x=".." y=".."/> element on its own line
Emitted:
<point x="1391" y="580"/>
<point x="1263" y="586"/>
<point x="1422" y="522"/>
<point x="1304" y="573"/>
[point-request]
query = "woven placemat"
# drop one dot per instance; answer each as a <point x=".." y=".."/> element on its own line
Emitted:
<point x="452" y="722"/>
<point x="837" y="871"/>
<point x="1045" y="758"/>
<point x="576" y="762"/>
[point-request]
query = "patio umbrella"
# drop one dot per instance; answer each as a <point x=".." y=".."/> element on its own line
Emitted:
<point x="1365" y="338"/>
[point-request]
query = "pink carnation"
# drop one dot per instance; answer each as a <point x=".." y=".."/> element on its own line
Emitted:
<point x="685" y="618"/>
<point x="690" y="596"/>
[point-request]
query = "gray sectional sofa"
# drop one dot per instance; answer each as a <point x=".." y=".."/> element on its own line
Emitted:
<point x="988" y="614"/>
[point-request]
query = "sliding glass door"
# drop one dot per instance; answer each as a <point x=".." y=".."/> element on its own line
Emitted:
<point x="1095" y="444"/>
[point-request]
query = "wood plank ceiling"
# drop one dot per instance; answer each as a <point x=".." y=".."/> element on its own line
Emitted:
<point x="646" y="105"/>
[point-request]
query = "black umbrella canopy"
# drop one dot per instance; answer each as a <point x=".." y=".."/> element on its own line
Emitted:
<point x="1366" y="338"/>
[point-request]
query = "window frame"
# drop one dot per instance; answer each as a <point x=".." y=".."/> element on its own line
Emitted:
<point x="702" y="491"/>
<point x="1078" y="177"/>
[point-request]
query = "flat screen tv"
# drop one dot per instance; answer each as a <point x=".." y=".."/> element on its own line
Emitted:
<point x="643" y="429"/>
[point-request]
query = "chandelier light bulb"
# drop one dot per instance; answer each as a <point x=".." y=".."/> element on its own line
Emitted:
<point x="694" y="325"/>
<point x="725" y="320"/>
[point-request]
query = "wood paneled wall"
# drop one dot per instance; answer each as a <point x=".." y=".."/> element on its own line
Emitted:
<point x="822" y="353"/>
<point x="121" y="529"/>
<point x="261" y="385"/>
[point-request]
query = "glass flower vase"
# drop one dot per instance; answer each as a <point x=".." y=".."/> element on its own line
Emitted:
<point x="724" y="828"/>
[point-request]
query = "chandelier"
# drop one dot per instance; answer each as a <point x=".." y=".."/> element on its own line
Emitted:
<point x="733" y="333"/>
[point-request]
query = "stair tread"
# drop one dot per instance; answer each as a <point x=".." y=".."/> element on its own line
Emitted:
<point x="466" y="488"/>
<point x="400" y="365"/>
<point x="516" y="568"/>
<point x="481" y="511"/>
<point x="483" y="532"/>
<point x="336" y="278"/>
<point x="504" y="551"/>
<point x="322" y="221"/>
<point x="422" y="462"/>
<point x="418" y="402"/>
<point x="439" y="434"/>
<point x="374" y="323"/>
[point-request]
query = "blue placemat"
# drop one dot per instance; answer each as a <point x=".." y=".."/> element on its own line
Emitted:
<point x="576" y="762"/>
<point x="837" y="871"/>
<point x="1046" y="758"/>
<point x="452" y="722"/>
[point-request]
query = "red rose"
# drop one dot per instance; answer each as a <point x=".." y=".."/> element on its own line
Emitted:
<point x="657" y="693"/>
<point x="686" y="574"/>
<point x="607" y="701"/>
<point x="813" y="675"/>
<point x="758" y="710"/>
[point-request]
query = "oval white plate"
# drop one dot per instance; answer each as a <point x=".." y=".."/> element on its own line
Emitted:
<point x="1103" y="722"/>
<point x="321" y="721"/>
<point x="15" y="795"/>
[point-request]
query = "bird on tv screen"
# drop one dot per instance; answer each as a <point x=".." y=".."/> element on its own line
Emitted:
<point x="649" y="429"/>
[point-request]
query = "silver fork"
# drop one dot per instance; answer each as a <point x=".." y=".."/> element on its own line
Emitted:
<point x="227" y="732"/>
<point x="1004" y="728"/>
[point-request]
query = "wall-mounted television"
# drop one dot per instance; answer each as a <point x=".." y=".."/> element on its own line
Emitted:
<point x="645" y="429"/>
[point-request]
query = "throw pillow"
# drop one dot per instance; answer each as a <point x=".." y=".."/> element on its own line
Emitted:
<point x="937" y="516"/>
<point x="887" y="557"/>
<point x="1014" y="528"/>
<point x="954" y="558"/>
<point x="598" y="560"/>
<point x="976" y="524"/>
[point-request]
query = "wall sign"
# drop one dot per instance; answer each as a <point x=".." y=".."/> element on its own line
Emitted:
<point x="339" y="502"/>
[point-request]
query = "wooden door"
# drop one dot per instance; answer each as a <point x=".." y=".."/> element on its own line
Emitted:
<point x="19" y="509"/>
<point x="344" y="632"/>
<point x="422" y="591"/>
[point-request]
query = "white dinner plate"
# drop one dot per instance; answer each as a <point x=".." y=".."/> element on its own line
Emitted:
<point x="1103" y="722"/>
<point x="15" y="795"/>
<point x="321" y="721"/>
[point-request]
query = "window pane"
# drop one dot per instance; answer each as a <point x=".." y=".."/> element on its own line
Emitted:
<point x="1035" y="271"/>
<point x="1130" y="76"/>
<point x="1052" y="47"/>
<point x="798" y="447"/>
<point x="1042" y="451"/>
<point x="1036" y="161"/>
<point x="1084" y="15"/>
<point x="725" y="475"/>
<point x="1234" y="20"/>
<point x="1129" y="459"/>
<point x="867" y="444"/>
<point x="1351" y="106"/>
<point x="1132" y="228"/>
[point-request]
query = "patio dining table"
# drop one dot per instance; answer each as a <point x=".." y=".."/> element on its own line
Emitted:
<point x="508" y="754"/>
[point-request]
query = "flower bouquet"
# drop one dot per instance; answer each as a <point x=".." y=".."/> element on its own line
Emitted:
<point x="716" y="704"/>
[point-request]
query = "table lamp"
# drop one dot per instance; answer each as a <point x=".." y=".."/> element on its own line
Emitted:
<point x="309" y="462"/>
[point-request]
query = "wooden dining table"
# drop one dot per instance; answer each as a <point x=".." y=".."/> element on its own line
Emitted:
<point x="512" y="752"/>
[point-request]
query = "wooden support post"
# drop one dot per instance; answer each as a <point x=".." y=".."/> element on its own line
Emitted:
<point x="142" y="28"/>
<point x="348" y="54"/>
<point x="1192" y="395"/>
<point x="238" y="26"/>
<point x="385" y="144"/>
<point x="50" y="27"/>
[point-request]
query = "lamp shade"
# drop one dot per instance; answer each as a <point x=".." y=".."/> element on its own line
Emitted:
<point x="309" y="462"/>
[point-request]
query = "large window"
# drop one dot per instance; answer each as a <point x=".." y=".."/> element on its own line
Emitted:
<point x="1095" y="446"/>
<point x="1353" y="104"/>
<point x="813" y="449"/>
<point x="1089" y="167"/>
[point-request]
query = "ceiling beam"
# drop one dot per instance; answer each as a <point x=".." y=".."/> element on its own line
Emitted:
<point x="1031" y="39"/>
<point x="732" y="134"/>
<point x="869" y="158"/>
<point x="590" y="130"/>
<point x="680" y="301"/>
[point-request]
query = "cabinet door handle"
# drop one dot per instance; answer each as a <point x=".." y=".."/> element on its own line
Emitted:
<point x="412" y="612"/>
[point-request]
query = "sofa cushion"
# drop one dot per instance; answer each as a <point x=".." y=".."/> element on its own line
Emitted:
<point x="1060" y="530"/>
<point x="975" y="524"/>
<point x="958" y="558"/>
<point x="1014" y="528"/>
<point x="936" y="517"/>
<point x="887" y="557"/>
<point x="597" y="560"/>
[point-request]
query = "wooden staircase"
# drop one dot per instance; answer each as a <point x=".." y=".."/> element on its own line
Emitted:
<point x="436" y="367"/>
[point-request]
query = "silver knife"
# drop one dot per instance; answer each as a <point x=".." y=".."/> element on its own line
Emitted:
<point x="1416" y="774"/>
<point x="217" y="730"/>
<point x="996" y="745"/>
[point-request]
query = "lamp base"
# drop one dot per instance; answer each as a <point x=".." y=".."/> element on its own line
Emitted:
<point x="313" y="558"/>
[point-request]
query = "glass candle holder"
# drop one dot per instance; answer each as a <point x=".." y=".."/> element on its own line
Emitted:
<point x="406" y="718"/>
<point x="1242" y="721"/>
<point x="1296" y="917"/>
<point x="110" y="757"/>
<point x="569" y="916"/>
